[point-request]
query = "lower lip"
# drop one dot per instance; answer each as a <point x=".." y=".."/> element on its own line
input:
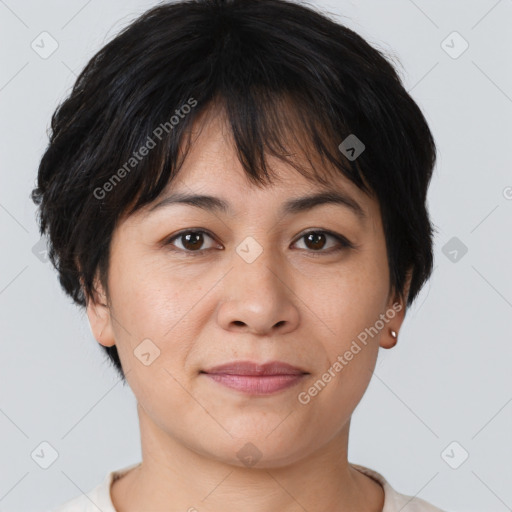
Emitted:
<point x="256" y="384"/>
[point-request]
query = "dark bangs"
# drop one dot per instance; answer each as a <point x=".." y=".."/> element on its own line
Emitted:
<point x="290" y="82"/>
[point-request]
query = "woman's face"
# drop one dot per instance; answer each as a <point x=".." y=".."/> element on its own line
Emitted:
<point x="248" y="284"/>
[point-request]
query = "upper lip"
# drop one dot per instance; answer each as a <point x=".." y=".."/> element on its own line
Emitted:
<point x="252" y="368"/>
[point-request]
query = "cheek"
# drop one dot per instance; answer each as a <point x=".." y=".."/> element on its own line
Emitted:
<point x="351" y="298"/>
<point x="349" y="309"/>
<point x="148" y="295"/>
<point x="350" y="303"/>
<point x="149" y="305"/>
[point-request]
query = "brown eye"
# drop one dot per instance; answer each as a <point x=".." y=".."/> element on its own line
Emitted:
<point x="191" y="241"/>
<point x="316" y="241"/>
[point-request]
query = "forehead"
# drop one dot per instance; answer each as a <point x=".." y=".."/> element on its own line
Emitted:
<point x="211" y="178"/>
<point x="212" y="164"/>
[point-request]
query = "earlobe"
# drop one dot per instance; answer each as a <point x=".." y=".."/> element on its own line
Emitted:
<point x="389" y="339"/>
<point x="396" y="314"/>
<point x="99" y="317"/>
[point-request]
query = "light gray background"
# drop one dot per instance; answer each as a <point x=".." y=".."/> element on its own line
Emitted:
<point x="449" y="377"/>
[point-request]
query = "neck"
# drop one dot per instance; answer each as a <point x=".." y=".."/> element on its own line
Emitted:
<point x="172" y="475"/>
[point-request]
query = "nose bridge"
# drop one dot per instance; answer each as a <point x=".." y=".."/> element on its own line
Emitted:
<point x="257" y="296"/>
<point x="255" y="265"/>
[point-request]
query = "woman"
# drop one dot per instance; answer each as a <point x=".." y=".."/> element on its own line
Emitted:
<point x="235" y="191"/>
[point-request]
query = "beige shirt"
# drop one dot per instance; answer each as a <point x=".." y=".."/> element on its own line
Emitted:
<point x="99" y="500"/>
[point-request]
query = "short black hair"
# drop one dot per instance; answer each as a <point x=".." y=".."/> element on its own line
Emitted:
<point x="275" y="67"/>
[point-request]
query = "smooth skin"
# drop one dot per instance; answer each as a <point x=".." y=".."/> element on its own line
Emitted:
<point x="297" y="302"/>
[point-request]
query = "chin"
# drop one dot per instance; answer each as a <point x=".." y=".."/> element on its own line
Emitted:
<point x="257" y="450"/>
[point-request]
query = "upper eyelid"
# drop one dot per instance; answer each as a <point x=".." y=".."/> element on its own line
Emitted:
<point x="338" y="237"/>
<point x="168" y="240"/>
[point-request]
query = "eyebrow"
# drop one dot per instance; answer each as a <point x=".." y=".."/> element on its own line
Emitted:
<point x="290" y="207"/>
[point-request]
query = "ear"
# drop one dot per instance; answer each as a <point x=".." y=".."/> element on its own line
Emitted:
<point x="395" y="311"/>
<point x="99" y="316"/>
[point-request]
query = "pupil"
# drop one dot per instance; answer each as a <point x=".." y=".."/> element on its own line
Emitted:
<point x="315" y="236"/>
<point x="197" y="237"/>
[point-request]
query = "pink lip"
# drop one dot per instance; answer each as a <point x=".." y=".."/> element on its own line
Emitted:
<point x="254" y="378"/>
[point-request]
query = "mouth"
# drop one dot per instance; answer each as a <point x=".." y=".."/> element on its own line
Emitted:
<point x="257" y="379"/>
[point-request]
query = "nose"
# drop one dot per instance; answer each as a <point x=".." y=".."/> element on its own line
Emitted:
<point x="259" y="297"/>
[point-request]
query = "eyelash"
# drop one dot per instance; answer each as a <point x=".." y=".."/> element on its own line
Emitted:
<point x="344" y="243"/>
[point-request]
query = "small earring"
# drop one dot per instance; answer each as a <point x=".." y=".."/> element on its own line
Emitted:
<point x="393" y="333"/>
